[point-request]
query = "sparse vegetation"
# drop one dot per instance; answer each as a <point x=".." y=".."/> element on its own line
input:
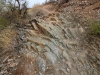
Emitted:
<point x="6" y="36"/>
<point x="94" y="28"/>
<point x="13" y="10"/>
<point x="3" y="23"/>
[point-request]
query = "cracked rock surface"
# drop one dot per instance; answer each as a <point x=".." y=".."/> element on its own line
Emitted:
<point x="56" y="48"/>
<point x="54" y="44"/>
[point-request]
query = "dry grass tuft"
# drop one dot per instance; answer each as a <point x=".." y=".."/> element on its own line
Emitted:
<point x="37" y="10"/>
<point x="6" y="37"/>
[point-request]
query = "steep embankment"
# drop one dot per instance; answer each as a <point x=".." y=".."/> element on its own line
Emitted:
<point x="56" y="46"/>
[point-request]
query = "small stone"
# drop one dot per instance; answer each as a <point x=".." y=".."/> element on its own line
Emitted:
<point x="19" y="56"/>
<point x="98" y="62"/>
<point x="98" y="56"/>
<point x="2" y="72"/>
<point x="5" y="59"/>
<point x="13" y="64"/>
<point x="9" y="60"/>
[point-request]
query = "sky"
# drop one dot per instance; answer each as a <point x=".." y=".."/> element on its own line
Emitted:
<point x="32" y="2"/>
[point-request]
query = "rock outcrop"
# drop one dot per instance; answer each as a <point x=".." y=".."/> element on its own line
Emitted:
<point x="54" y="44"/>
<point x="56" y="47"/>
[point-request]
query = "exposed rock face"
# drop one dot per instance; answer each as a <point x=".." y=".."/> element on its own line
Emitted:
<point x="56" y="47"/>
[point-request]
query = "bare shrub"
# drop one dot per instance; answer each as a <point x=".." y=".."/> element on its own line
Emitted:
<point x="62" y="1"/>
<point x="57" y="1"/>
<point x="49" y="1"/>
<point x="13" y="10"/>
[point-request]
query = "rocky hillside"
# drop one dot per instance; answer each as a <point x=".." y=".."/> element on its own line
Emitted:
<point x="55" y="43"/>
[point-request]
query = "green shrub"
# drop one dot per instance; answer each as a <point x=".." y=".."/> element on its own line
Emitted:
<point x="94" y="28"/>
<point x="3" y="23"/>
